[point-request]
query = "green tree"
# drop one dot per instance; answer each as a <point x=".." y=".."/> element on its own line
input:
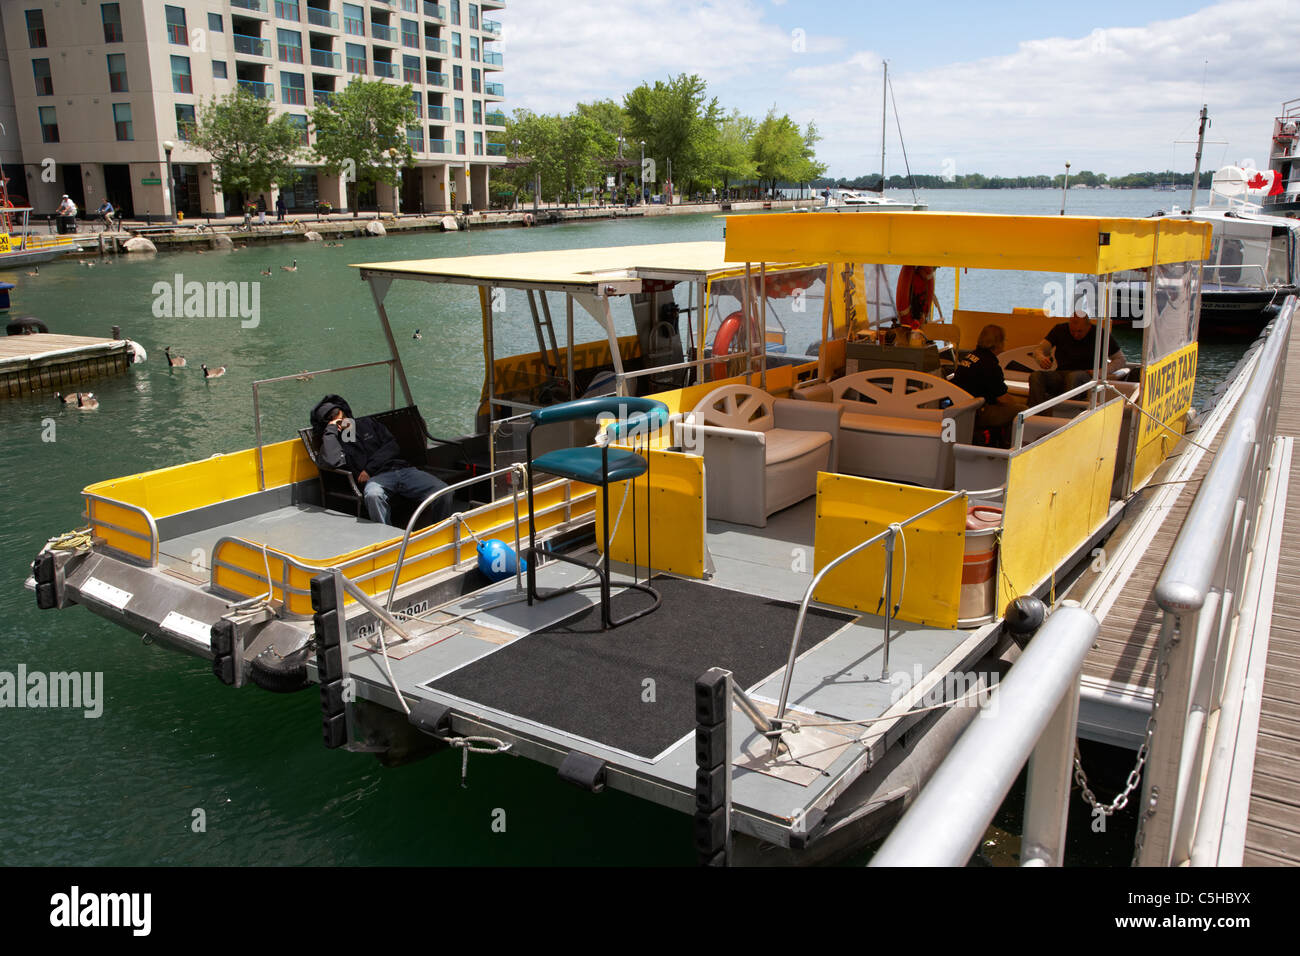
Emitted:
<point x="585" y="146"/>
<point x="251" y="152"/>
<point x="779" y="150"/>
<point x="536" y="140"/>
<point x="678" y="124"/>
<point x="358" y="127"/>
<point x="732" y="160"/>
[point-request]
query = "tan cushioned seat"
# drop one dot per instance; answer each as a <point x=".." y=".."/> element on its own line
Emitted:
<point x="891" y="423"/>
<point x="784" y="444"/>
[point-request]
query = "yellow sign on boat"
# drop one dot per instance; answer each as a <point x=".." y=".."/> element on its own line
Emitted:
<point x="1167" y="387"/>
<point x="4" y="242"/>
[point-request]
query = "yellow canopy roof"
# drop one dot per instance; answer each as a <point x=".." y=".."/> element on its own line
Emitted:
<point x="583" y="269"/>
<point x="1082" y="244"/>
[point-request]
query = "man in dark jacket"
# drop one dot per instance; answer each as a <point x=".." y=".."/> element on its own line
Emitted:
<point x="368" y="450"/>
<point x="980" y="373"/>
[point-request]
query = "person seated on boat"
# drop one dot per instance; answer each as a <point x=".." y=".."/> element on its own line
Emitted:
<point x="368" y="450"/>
<point x="1073" y="344"/>
<point x="980" y="373"/>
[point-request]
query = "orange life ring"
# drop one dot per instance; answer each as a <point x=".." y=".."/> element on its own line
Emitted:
<point x="722" y="343"/>
<point x="914" y="295"/>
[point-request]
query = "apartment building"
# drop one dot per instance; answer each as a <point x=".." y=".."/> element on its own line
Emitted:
<point x="93" y="93"/>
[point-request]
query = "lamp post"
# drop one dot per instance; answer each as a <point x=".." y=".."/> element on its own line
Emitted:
<point x="618" y="169"/>
<point x="168" y="146"/>
<point x="640" y="198"/>
<point x="1064" y="186"/>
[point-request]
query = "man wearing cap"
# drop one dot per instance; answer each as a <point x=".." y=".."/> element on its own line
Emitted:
<point x="67" y="215"/>
<point x="368" y="450"/>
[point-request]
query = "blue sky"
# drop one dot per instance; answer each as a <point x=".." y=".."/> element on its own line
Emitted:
<point x="1010" y="88"/>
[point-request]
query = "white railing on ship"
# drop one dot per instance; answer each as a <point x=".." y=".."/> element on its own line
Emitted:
<point x="1032" y="715"/>
<point x="1209" y="585"/>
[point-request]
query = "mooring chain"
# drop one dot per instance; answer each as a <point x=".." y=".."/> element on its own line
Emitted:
<point x="477" y="745"/>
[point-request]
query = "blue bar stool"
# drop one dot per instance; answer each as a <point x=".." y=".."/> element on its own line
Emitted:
<point x="603" y="466"/>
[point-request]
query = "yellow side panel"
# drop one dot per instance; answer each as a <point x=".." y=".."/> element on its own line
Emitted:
<point x="1166" y="396"/>
<point x="1058" y="493"/>
<point x="1090" y="245"/>
<point x="1022" y="328"/>
<point x="676" y="484"/>
<point x="169" y="491"/>
<point x="927" y="563"/>
<point x="103" y="513"/>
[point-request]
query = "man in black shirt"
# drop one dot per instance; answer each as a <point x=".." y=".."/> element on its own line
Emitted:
<point x="369" y="451"/>
<point x="1073" y="344"/>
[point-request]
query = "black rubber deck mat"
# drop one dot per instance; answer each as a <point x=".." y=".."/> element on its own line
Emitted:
<point x="581" y="680"/>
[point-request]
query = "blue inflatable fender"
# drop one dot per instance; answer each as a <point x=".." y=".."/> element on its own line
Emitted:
<point x="497" y="560"/>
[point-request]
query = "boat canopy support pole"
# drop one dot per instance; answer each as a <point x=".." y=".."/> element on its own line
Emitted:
<point x="597" y="306"/>
<point x="379" y="286"/>
<point x="568" y="338"/>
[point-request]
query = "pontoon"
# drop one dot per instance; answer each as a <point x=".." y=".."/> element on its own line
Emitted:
<point x="821" y="557"/>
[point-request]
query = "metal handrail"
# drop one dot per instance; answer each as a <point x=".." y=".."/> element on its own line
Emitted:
<point x="1018" y="425"/>
<point x="257" y="411"/>
<point x="888" y="537"/>
<point x="410" y="525"/>
<point x="1031" y="715"/>
<point x="1209" y="579"/>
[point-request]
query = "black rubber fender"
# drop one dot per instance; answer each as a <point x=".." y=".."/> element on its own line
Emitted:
<point x="280" y="675"/>
<point x="25" y="325"/>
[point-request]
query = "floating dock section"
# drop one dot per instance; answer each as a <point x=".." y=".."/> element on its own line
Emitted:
<point x="47" y="362"/>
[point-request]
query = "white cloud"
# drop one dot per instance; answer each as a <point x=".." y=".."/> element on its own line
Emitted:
<point x="1110" y="99"/>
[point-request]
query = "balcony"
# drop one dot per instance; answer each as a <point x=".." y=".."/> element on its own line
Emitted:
<point x="435" y="10"/>
<point x="416" y="140"/>
<point x="496" y="149"/>
<point x="327" y="59"/>
<point x="496" y="118"/>
<point x="261" y="6"/>
<point x="435" y="79"/>
<point x="263" y="91"/>
<point x="492" y="26"/>
<point x="251" y="46"/>
<point x="440" y="113"/>
<point x="380" y="32"/>
<point x="436" y="45"/>
<point x="493" y="61"/>
<point x="322" y="18"/>
<point x="386" y="69"/>
<point x="440" y="146"/>
<point x="322" y="97"/>
<point x="494" y="89"/>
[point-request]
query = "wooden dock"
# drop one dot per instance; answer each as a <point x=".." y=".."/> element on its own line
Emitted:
<point x="47" y="362"/>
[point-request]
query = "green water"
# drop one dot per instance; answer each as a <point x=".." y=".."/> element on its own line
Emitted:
<point x="123" y="788"/>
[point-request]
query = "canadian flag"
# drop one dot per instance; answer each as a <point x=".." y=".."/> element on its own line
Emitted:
<point x="1269" y="183"/>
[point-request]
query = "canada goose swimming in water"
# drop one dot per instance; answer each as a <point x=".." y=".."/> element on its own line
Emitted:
<point x="266" y="271"/>
<point x="177" y="361"/>
<point x="88" y="265"/>
<point x="87" y="402"/>
<point x="213" y="373"/>
<point x="417" y="336"/>
<point x="292" y="268"/>
<point x="35" y="272"/>
<point x="80" y="399"/>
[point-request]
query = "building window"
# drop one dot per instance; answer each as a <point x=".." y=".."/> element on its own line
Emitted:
<point x="287" y="9"/>
<point x="181" y="82"/>
<point x="418" y="100"/>
<point x="411" y="34"/>
<point x="476" y="81"/>
<point x="411" y="6"/>
<point x="478" y="112"/>
<point x="36" y="34"/>
<point x="111" y="13"/>
<point x="411" y="70"/>
<point x="122" y="121"/>
<point x="300" y="122"/>
<point x="416" y="138"/>
<point x="293" y="89"/>
<point x="219" y="69"/>
<point x="290" y="43"/>
<point x="176" y="30"/>
<point x="44" y="82"/>
<point x="49" y="125"/>
<point x="117" y="72"/>
<point x="185" y="122"/>
<point x="457" y="78"/>
<point x="460" y="142"/>
<point x="455" y="13"/>
<point x="473" y="48"/>
<point x="356" y="57"/>
<point x="473" y="16"/>
<point x="455" y="45"/>
<point x="354" y="23"/>
<point x="478" y="144"/>
<point x="215" y="24"/>
<point x="460" y="110"/>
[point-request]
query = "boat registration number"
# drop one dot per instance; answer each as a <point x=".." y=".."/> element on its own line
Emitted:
<point x="369" y="628"/>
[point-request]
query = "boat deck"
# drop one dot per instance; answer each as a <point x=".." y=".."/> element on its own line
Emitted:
<point x="548" y="680"/>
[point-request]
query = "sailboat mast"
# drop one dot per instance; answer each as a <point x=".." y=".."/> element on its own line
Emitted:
<point x="1200" y="144"/>
<point x="884" y="91"/>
